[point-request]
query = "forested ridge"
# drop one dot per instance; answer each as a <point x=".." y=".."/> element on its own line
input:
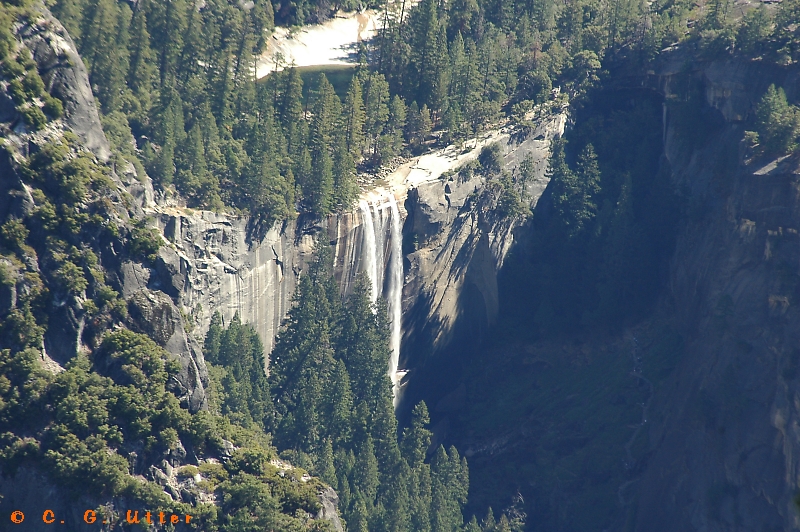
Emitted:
<point x="177" y="88"/>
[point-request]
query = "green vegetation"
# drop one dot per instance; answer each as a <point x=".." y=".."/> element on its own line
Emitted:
<point x="236" y="363"/>
<point x="777" y="122"/>
<point x="111" y="413"/>
<point x="180" y="83"/>
<point x="600" y="250"/>
<point x="331" y="408"/>
<point x="19" y="70"/>
<point x="176" y="89"/>
<point x="105" y="407"/>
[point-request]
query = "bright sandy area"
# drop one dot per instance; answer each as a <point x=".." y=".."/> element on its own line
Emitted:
<point x="335" y="42"/>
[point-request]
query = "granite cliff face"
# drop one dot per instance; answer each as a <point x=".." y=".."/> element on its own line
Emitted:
<point x="689" y="419"/>
<point x="724" y="454"/>
<point x="212" y="264"/>
<point x="460" y="238"/>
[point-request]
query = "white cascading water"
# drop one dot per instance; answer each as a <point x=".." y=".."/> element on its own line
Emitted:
<point x="395" y="295"/>
<point x="368" y="249"/>
<point x="374" y="248"/>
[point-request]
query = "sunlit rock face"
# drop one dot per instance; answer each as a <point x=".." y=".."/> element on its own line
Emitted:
<point x="211" y="265"/>
<point x="459" y="240"/>
<point x="216" y="262"/>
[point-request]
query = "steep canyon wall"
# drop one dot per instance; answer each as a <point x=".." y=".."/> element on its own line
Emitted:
<point x="210" y="263"/>
<point x="724" y="448"/>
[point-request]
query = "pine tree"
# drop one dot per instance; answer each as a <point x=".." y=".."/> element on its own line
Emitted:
<point x="453" y="122"/>
<point x="424" y="26"/>
<point x="171" y="133"/>
<point x="777" y="122"/>
<point x="503" y="525"/>
<point x="459" y="81"/>
<point x="355" y="118"/>
<point x="192" y="163"/>
<point x="489" y="523"/>
<point x="365" y="472"/>
<point x="169" y="20"/>
<point x="392" y="139"/>
<point x="306" y="431"/>
<point x="212" y="150"/>
<point x="395" y="498"/>
<point x="448" y="491"/>
<point x="439" y="96"/>
<point x="340" y="413"/>
<point x="359" y="518"/>
<point x="291" y="112"/>
<point x="111" y="65"/>
<point x="461" y="19"/>
<point x="325" y="467"/>
<point x="303" y="167"/>
<point x="376" y="98"/>
<point x="194" y="50"/>
<point x="213" y="338"/>
<point x="298" y="344"/>
<point x="756" y="28"/>
<point x="424" y="125"/>
<point x="417" y="437"/>
<point x="142" y="71"/>
<point x="71" y="13"/>
<point x="384" y="432"/>
<point x="472" y="526"/>
<point x="344" y="461"/>
<point x="345" y="186"/>
<point x="318" y="190"/>
<point x="363" y="346"/>
<point x="98" y="29"/>
<point x="421" y="498"/>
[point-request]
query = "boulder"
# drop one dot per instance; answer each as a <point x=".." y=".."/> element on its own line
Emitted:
<point x="62" y="339"/>
<point x="330" y="502"/>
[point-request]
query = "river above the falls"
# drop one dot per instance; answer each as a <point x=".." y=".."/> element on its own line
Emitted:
<point x="332" y="43"/>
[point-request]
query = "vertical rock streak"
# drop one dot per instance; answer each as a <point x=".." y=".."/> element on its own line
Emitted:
<point x="368" y="248"/>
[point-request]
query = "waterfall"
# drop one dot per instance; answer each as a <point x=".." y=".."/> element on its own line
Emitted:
<point x="380" y="243"/>
<point x="369" y="248"/>
<point x="395" y="295"/>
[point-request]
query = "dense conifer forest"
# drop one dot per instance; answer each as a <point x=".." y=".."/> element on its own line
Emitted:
<point x="176" y="88"/>
<point x="328" y="403"/>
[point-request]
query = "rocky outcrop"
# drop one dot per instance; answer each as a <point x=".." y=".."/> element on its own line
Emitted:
<point x="210" y="265"/>
<point x="154" y="314"/>
<point x="330" y="502"/>
<point x="65" y="77"/>
<point x="459" y="239"/>
<point x="725" y="456"/>
<point x="213" y="262"/>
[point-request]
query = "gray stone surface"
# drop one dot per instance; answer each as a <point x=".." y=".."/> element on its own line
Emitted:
<point x="154" y="314"/>
<point x="62" y="339"/>
<point x="330" y="503"/>
<point x="210" y="264"/>
<point x="725" y="455"/>
<point x="64" y="75"/>
<point x="461" y="243"/>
